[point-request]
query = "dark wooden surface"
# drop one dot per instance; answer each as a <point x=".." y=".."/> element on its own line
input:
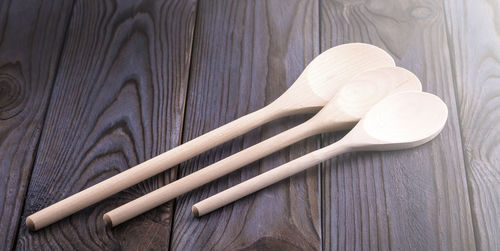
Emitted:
<point x="232" y="75"/>
<point x="118" y="100"/>
<point x="90" y="88"/>
<point x="475" y="28"/>
<point x="406" y="200"/>
<point x="31" y="38"/>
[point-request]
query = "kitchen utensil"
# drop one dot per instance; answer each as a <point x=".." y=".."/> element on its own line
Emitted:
<point x="342" y="112"/>
<point x="400" y="121"/>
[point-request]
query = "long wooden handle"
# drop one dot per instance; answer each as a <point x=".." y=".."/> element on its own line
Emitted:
<point x="151" y="167"/>
<point x="207" y="174"/>
<point x="266" y="179"/>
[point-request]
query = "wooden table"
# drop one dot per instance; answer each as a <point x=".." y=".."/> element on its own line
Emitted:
<point x="90" y="88"/>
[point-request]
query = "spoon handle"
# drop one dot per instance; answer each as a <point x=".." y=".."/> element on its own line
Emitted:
<point x="208" y="174"/>
<point x="151" y="167"/>
<point x="268" y="178"/>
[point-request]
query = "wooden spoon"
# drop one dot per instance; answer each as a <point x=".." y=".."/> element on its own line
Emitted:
<point x="313" y="89"/>
<point x="342" y="112"/>
<point x="400" y="121"/>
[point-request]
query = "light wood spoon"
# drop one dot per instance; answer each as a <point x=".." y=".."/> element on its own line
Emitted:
<point x="400" y="121"/>
<point x="342" y="112"/>
<point x="312" y="90"/>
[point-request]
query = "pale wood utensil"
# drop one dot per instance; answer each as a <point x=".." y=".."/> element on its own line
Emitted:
<point x="312" y="90"/>
<point x="400" y="121"/>
<point x="342" y="112"/>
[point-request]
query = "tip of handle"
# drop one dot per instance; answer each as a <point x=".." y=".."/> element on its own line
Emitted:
<point x="195" y="211"/>
<point x="30" y="224"/>
<point x="107" y="220"/>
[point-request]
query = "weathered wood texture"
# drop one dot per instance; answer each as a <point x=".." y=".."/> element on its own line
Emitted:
<point x="31" y="39"/>
<point x="474" y="38"/>
<point x="406" y="200"/>
<point x="118" y="100"/>
<point x="246" y="54"/>
<point x="91" y="88"/>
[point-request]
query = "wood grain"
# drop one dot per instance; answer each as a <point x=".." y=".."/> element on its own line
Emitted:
<point x="31" y="39"/>
<point x="406" y="200"/>
<point x="474" y="37"/>
<point x="118" y="100"/>
<point x="245" y="54"/>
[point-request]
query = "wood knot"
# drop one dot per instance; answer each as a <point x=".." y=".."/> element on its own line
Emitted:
<point x="12" y="93"/>
<point x="421" y="12"/>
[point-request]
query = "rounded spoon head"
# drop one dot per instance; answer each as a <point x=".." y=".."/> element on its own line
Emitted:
<point x="329" y="71"/>
<point x="400" y="121"/>
<point x="360" y="94"/>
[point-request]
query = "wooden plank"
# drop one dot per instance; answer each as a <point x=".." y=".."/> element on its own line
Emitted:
<point x="474" y="35"/>
<point x="31" y="39"/>
<point x="118" y="100"/>
<point x="246" y="54"/>
<point x="406" y="200"/>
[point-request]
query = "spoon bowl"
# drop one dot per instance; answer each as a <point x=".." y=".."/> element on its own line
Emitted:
<point x="400" y="121"/>
<point x="355" y="99"/>
<point x="330" y="71"/>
